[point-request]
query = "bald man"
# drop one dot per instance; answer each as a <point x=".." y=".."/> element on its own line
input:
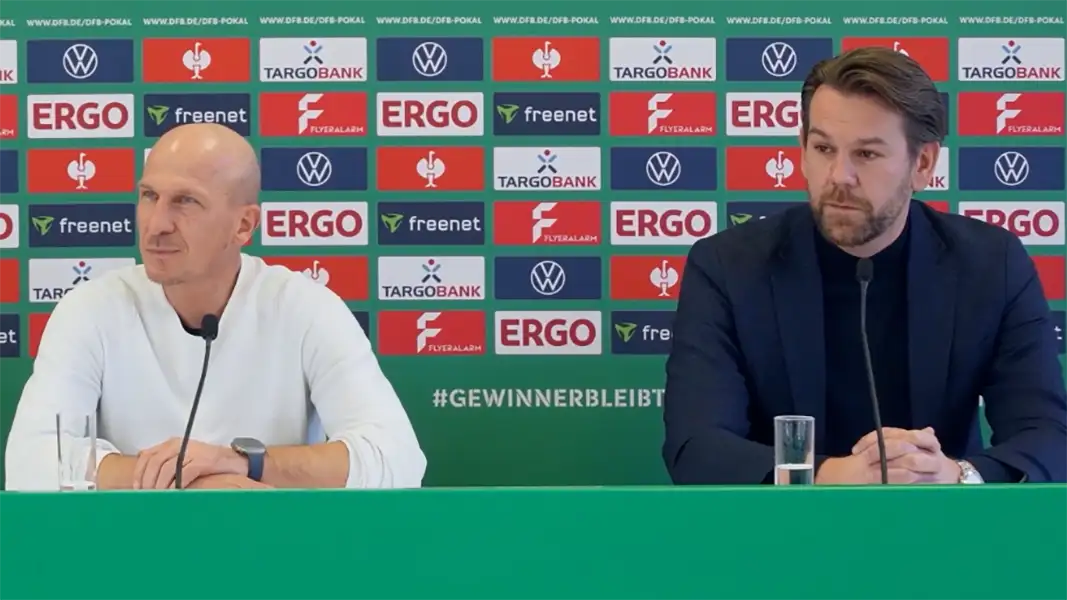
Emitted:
<point x="293" y="397"/>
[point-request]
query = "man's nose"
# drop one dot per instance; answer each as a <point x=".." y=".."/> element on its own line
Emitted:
<point x="842" y="171"/>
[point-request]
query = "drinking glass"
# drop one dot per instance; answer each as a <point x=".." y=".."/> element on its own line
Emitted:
<point x="794" y="450"/>
<point x="76" y="443"/>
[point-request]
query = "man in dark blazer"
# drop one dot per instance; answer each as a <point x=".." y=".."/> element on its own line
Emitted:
<point x="768" y="318"/>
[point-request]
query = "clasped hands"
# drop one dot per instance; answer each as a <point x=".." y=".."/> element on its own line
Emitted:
<point x="912" y="456"/>
<point x="206" y="466"/>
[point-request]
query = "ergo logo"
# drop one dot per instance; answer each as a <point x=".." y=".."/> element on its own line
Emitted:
<point x="9" y="226"/>
<point x="762" y="114"/>
<point x="1036" y="223"/>
<point x="314" y="224"/>
<point x="444" y="114"/>
<point x="80" y="116"/>
<point x="548" y="332"/>
<point x="662" y="223"/>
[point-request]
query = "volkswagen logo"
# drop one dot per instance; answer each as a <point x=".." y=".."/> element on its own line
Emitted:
<point x="1011" y="168"/>
<point x="80" y="61"/>
<point x="779" y="59"/>
<point x="663" y="168"/>
<point x="548" y="278"/>
<point x="429" y="59"/>
<point x="314" y="169"/>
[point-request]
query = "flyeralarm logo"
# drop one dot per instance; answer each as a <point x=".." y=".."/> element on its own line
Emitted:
<point x="9" y="116"/>
<point x="442" y="168"/>
<point x="319" y="59"/>
<point x="662" y="59"/>
<point x="1011" y="113"/>
<point x="931" y="53"/>
<point x="662" y="223"/>
<point x="430" y="114"/>
<point x="314" y="224"/>
<point x="297" y="114"/>
<point x="66" y="170"/>
<point x="546" y="59"/>
<point x="762" y="114"/>
<point x="551" y="169"/>
<point x="1010" y="59"/>
<point x="646" y="277"/>
<point x="519" y="223"/>
<point x="195" y="60"/>
<point x="662" y="113"/>
<point x="1036" y="223"/>
<point x="9" y="62"/>
<point x="546" y="332"/>
<point x="346" y="276"/>
<point x="771" y="168"/>
<point x="80" y="116"/>
<point x="438" y="333"/>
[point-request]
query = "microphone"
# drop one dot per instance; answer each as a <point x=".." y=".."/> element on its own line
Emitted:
<point x="864" y="275"/>
<point x="209" y="330"/>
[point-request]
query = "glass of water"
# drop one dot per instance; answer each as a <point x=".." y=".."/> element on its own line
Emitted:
<point x="794" y="450"/>
<point x="76" y="443"/>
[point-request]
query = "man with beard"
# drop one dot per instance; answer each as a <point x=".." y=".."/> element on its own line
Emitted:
<point x="768" y="318"/>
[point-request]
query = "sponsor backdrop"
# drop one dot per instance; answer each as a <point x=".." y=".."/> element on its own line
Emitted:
<point x="504" y="194"/>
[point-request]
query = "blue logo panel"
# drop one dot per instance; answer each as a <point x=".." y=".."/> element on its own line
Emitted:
<point x="1059" y="323"/>
<point x="641" y="331"/>
<point x="81" y="225"/>
<point x="774" y="59"/>
<point x="738" y="213"/>
<point x="564" y="113"/>
<point x="431" y="223"/>
<point x="1011" y="169"/>
<point x="79" y="61"/>
<point x="547" y="278"/>
<point x="314" y="169"/>
<point x="690" y="168"/>
<point x="10" y="336"/>
<point x="164" y="112"/>
<point x="9" y="171"/>
<point x="948" y="110"/>
<point x="430" y="59"/>
<point x="363" y="318"/>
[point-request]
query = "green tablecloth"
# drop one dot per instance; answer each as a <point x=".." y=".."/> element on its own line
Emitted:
<point x="928" y="542"/>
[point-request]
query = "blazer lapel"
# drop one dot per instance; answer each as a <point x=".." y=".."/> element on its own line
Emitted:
<point x="796" y="284"/>
<point x="931" y="318"/>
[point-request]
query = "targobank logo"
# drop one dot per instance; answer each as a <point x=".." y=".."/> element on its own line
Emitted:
<point x="546" y="113"/>
<point x="1011" y="59"/>
<point x="318" y="59"/>
<point x="662" y="59"/>
<point x="437" y="278"/>
<point x="167" y="111"/>
<point x="81" y="225"/>
<point x="553" y="169"/>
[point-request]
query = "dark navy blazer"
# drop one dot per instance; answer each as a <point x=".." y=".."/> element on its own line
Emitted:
<point x="749" y="345"/>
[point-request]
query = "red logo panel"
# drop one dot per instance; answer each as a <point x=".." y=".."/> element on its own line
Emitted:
<point x="646" y="277"/>
<point x="521" y="223"/>
<point x="546" y="59"/>
<point x="190" y="60"/>
<point x="1051" y="271"/>
<point x="9" y="280"/>
<point x="37" y="322"/>
<point x="759" y="169"/>
<point x="930" y="53"/>
<point x="414" y="332"/>
<point x="446" y="168"/>
<point x="666" y="113"/>
<point x="9" y="116"/>
<point x="70" y="170"/>
<point x="1010" y="113"/>
<point x="297" y="114"/>
<point x="347" y="276"/>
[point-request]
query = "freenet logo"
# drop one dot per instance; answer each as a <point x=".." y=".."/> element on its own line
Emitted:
<point x="1004" y="168"/>
<point x="415" y="332"/>
<point x="52" y="278"/>
<point x="559" y="169"/>
<point x="1010" y="59"/>
<point x="314" y="224"/>
<point x="543" y="332"/>
<point x="662" y="168"/>
<point x="319" y="59"/>
<point x="437" y="278"/>
<point x="9" y="62"/>
<point x="522" y="223"/>
<point x="9" y="226"/>
<point x="547" y="278"/>
<point x="10" y="335"/>
<point x="641" y="331"/>
<point x="314" y="169"/>
<point x="167" y="111"/>
<point x="774" y="59"/>
<point x="9" y="171"/>
<point x="546" y="113"/>
<point x="80" y="116"/>
<point x="739" y="213"/>
<point x="79" y="61"/>
<point x="81" y="225"/>
<point x="662" y="59"/>
<point x="431" y="223"/>
<point x="430" y="114"/>
<point x="430" y="59"/>
<point x="1036" y="223"/>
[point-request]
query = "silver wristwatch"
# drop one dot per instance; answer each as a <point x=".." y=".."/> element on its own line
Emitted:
<point x="968" y="474"/>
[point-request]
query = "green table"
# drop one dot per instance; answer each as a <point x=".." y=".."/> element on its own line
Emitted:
<point x="498" y="543"/>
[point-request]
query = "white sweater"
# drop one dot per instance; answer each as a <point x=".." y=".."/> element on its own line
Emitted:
<point x="290" y="361"/>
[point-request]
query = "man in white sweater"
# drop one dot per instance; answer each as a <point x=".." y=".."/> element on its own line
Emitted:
<point x="289" y="359"/>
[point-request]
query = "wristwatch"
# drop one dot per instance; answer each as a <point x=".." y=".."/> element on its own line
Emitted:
<point x="254" y="451"/>
<point x="968" y="474"/>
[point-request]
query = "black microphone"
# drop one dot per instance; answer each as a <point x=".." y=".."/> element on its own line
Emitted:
<point x="209" y="330"/>
<point x="864" y="275"/>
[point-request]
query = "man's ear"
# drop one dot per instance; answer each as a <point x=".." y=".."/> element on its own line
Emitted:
<point x="925" y="166"/>
<point x="247" y="224"/>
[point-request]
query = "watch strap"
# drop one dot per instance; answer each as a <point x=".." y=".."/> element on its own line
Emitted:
<point x="255" y="465"/>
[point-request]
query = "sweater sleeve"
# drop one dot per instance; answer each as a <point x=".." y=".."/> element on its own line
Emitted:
<point x="355" y="402"/>
<point x="67" y="378"/>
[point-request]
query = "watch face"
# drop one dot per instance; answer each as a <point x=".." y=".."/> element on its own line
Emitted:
<point x="248" y="446"/>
